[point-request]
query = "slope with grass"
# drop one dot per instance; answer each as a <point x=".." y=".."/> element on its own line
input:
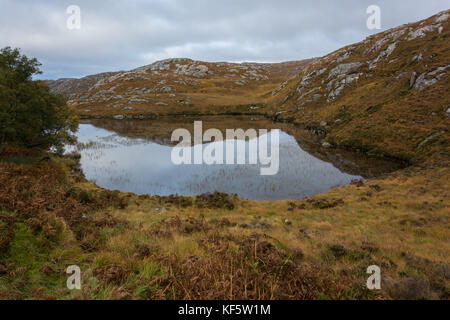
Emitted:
<point x="176" y="86"/>
<point x="388" y="95"/>
<point x="219" y="246"/>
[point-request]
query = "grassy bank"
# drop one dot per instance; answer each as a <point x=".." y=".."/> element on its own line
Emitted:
<point x="218" y="246"/>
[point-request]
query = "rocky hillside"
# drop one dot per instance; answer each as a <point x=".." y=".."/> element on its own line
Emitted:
<point x="174" y="86"/>
<point x="74" y="88"/>
<point x="388" y="94"/>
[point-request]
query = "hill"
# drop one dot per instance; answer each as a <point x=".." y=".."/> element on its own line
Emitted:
<point x="387" y="95"/>
<point x="175" y="86"/>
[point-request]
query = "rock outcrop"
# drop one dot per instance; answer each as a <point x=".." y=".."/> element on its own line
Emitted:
<point x="167" y="85"/>
<point x="330" y="76"/>
<point x="430" y="78"/>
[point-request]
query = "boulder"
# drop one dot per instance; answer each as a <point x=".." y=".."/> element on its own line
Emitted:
<point x="307" y="93"/>
<point x="333" y="94"/>
<point x="442" y="18"/>
<point x="422" y="32"/>
<point x="194" y="70"/>
<point x="308" y="78"/>
<point x="167" y="89"/>
<point x="344" y="69"/>
<point x="430" y="78"/>
<point x="394" y="36"/>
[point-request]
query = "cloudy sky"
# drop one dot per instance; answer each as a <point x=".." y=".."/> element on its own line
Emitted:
<point x="124" y="34"/>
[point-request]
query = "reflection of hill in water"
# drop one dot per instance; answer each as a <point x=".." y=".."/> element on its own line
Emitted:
<point x="144" y="167"/>
<point x="160" y="131"/>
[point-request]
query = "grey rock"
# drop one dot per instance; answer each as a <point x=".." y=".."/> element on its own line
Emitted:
<point x="344" y="56"/>
<point x="394" y="36"/>
<point x="438" y="70"/>
<point x="336" y="92"/>
<point x="350" y="78"/>
<point x="281" y="87"/>
<point x="307" y="93"/>
<point x="422" y="32"/>
<point x="281" y="112"/>
<point x="306" y="80"/>
<point x="163" y="65"/>
<point x="344" y="69"/>
<point x="422" y="83"/>
<point x="386" y="53"/>
<point x="167" y="89"/>
<point x="119" y="117"/>
<point x="331" y="85"/>
<point x="417" y="58"/>
<point x="194" y="70"/>
<point x="137" y="100"/>
<point x="183" y="102"/>
<point x="429" y="139"/>
<point x="442" y="18"/>
<point x="412" y="80"/>
<point x="424" y="79"/>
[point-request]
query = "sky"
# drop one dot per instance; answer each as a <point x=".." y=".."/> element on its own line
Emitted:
<point x="119" y="35"/>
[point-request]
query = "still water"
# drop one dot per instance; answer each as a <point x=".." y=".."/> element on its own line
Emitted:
<point x="143" y="166"/>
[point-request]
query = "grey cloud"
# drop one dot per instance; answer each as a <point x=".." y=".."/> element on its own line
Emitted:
<point x="119" y="35"/>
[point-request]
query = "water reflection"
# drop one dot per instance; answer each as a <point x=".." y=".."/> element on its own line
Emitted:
<point x="145" y="167"/>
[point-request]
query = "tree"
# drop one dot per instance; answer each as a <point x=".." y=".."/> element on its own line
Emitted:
<point x="30" y="115"/>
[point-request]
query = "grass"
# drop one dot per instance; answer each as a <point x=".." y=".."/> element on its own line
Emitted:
<point x="207" y="249"/>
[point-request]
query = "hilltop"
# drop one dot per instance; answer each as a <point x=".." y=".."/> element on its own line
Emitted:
<point x="175" y="86"/>
<point x="387" y="95"/>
